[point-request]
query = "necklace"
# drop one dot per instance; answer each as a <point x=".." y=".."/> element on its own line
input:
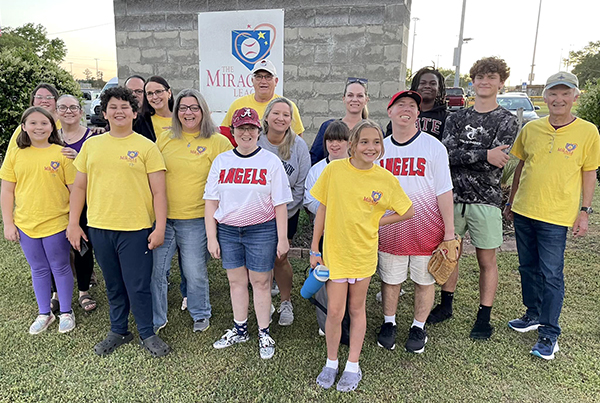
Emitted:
<point x="69" y="139"/>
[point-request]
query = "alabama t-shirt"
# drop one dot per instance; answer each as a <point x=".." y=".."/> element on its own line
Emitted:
<point x="248" y="187"/>
<point x="421" y="166"/>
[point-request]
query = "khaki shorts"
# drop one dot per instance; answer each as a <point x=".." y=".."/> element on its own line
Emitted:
<point x="393" y="269"/>
<point x="483" y="222"/>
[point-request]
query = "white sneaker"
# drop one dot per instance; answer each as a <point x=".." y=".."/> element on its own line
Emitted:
<point x="67" y="322"/>
<point x="271" y="314"/>
<point x="41" y="323"/>
<point x="274" y="289"/>
<point x="184" y="304"/>
<point x="230" y="338"/>
<point x="266" y="346"/>
<point x="286" y="313"/>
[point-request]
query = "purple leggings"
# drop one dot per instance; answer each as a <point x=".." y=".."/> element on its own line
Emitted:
<point x="51" y="253"/>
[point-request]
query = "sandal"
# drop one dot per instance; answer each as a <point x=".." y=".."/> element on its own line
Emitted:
<point x="88" y="303"/>
<point x="155" y="346"/>
<point x="349" y="381"/>
<point x="54" y="305"/>
<point x="111" y="342"/>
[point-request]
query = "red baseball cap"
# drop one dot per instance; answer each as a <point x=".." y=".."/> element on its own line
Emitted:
<point x="245" y="116"/>
<point x="411" y="94"/>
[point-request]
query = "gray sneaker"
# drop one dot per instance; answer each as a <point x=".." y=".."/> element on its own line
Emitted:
<point x="41" y="323"/>
<point x="230" y="338"/>
<point x="201" y="325"/>
<point x="66" y="323"/>
<point x="274" y="289"/>
<point x="266" y="346"/>
<point x="286" y="313"/>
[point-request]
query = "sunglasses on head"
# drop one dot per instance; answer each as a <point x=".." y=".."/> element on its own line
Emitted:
<point x="352" y="80"/>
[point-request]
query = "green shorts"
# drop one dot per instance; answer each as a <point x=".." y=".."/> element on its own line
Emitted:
<point x="483" y="222"/>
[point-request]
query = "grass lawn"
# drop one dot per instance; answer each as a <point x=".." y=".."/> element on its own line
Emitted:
<point x="54" y="367"/>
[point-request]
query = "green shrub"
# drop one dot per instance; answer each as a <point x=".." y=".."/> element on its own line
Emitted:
<point x="588" y="107"/>
<point x="22" y="70"/>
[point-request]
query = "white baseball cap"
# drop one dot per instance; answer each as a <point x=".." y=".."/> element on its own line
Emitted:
<point x="265" y="65"/>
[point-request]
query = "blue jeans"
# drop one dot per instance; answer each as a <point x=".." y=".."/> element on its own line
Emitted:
<point x="541" y="248"/>
<point x="190" y="237"/>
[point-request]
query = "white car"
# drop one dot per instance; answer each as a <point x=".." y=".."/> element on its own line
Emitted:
<point x="517" y="100"/>
<point x="96" y="111"/>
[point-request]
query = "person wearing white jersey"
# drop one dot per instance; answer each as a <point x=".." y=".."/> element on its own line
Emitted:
<point x="420" y="162"/>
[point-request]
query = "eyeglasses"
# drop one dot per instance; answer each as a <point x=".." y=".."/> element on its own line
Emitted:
<point x="138" y="92"/>
<point x="47" y="97"/>
<point x="194" y="108"/>
<point x="158" y="93"/>
<point x="362" y="81"/>
<point x="247" y="129"/>
<point x="72" y="108"/>
<point x="260" y="77"/>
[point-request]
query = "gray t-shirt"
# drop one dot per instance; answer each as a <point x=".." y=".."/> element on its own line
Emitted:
<point x="296" y="168"/>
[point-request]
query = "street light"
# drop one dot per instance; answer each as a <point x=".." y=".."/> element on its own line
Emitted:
<point x="458" y="50"/>
<point x="531" y="75"/>
<point x="412" y="57"/>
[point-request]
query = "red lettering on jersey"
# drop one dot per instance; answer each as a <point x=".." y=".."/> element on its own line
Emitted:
<point x="239" y="175"/>
<point x="254" y="180"/>
<point x="396" y="166"/>
<point x="412" y="171"/>
<point x="230" y="175"/>
<point x="383" y="163"/>
<point x="404" y="166"/>
<point x="421" y="162"/>
<point x="221" y="175"/>
<point x="424" y="123"/>
<point x="263" y="177"/>
<point x="435" y="128"/>
<point x="247" y="174"/>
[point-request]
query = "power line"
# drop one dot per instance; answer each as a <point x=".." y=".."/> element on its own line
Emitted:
<point x="81" y="29"/>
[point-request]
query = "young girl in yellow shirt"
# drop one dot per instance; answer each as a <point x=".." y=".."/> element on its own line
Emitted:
<point x="36" y="177"/>
<point x="350" y="217"/>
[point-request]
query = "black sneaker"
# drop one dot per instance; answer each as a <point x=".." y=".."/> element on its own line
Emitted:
<point x="387" y="336"/>
<point x="439" y="314"/>
<point x="417" y="338"/>
<point x="482" y="330"/>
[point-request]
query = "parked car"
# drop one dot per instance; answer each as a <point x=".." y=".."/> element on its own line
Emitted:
<point x="456" y="98"/>
<point x="89" y="95"/>
<point x="516" y="100"/>
<point x="96" y="117"/>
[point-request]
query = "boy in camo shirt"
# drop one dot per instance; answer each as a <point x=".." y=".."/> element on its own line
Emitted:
<point x="478" y="141"/>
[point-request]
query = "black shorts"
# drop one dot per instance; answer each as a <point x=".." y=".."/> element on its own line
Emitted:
<point x="293" y="224"/>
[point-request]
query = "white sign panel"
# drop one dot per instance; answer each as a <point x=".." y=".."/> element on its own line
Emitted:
<point x="230" y="43"/>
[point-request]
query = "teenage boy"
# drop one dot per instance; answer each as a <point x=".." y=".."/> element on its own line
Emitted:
<point x="429" y="83"/>
<point x="477" y="140"/>
<point x="559" y="155"/>
<point x="121" y="175"/>
<point x="420" y="162"/>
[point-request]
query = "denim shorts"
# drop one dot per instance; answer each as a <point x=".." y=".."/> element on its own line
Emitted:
<point x="254" y="246"/>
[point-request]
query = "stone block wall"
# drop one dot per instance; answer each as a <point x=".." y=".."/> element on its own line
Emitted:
<point x="324" y="43"/>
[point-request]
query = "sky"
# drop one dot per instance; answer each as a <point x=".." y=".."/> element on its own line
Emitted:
<point x="503" y="28"/>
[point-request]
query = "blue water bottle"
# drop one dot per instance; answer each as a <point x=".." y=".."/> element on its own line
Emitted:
<point x="317" y="277"/>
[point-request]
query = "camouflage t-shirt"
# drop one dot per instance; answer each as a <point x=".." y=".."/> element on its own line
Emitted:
<point x="468" y="135"/>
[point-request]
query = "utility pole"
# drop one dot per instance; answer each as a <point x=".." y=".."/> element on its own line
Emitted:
<point x="460" y="43"/>
<point x="412" y="57"/>
<point x="96" y="67"/>
<point x="531" y="75"/>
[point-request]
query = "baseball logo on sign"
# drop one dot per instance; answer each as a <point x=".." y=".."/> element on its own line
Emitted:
<point x="251" y="45"/>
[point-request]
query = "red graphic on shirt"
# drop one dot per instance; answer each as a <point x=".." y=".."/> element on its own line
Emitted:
<point x="257" y="212"/>
<point x="407" y="166"/>
<point x="420" y="235"/>
<point x="252" y="176"/>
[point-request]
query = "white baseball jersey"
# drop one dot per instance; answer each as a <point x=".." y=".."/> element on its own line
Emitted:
<point x="421" y="166"/>
<point x="247" y="187"/>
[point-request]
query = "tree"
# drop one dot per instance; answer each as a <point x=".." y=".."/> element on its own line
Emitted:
<point x="588" y="106"/>
<point x="33" y="38"/>
<point x="88" y="74"/>
<point x="586" y="63"/>
<point x="464" y="81"/>
<point x="22" y="69"/>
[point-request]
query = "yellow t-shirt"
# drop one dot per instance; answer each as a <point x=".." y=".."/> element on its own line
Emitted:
<point x="160" y="124"/>
<point x="356" y="200"/>
<point x="188" y="162"/>
<point x="13" y="139"/>
<point x="249" y="101"/>
<point x="118" y="192"/>
<point x="41" y="194"/>
<point x="550" y="185"/>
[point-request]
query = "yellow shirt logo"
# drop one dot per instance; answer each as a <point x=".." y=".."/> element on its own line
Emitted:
<point x="568" y="149"/>
<point x="374" y="198"/>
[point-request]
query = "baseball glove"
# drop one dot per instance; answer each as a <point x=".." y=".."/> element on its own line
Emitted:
<point x="444" y="260"/>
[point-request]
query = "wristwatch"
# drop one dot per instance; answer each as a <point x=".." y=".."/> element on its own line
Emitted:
<point x="588" y="210"/>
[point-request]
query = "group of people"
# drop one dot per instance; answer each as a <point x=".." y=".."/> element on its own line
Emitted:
<point x="165" y="179"/>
